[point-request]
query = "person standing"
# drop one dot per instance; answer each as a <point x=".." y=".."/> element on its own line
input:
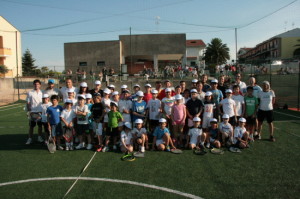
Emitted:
<point x="64" y="90"/>
<point x="50" y="90"/>
<point x="97" y="89"/>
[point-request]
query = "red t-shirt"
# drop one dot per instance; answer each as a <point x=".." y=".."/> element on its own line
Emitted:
<point x="162" y="94"/>
<point x="147" y="97"/>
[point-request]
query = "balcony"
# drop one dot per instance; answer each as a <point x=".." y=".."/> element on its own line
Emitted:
<point x="5" y="52"/>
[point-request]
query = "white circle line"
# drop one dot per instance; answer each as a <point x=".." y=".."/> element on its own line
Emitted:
<point x="187" y="195"/>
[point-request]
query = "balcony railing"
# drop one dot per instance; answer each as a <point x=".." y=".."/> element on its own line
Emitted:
<point x="5" y="52"/>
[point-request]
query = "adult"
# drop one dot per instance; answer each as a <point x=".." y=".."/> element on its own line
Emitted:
<point x="147" y="93"/>
<point x="64" y="90"/>
<point x="240" y="83"/>
<point x="33" y="101"/>
<point x="97" y="88"/>
<point x="162" y="94"/>
<point x="221" y="84"/>
<point x="265" y="111"/>
<point x="199" y="88"/>
<point x="50" y="90"/>
<point x="183" y="86"/>
<point x="194" y="107"/>
<point x="256" y="88"/>
<point x="158" y="86"/>
<point x="204" y="79"/>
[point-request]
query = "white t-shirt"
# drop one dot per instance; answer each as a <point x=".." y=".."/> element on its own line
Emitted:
<point x="125" y="105"/>
<point x="168" y="104"/>
<point x="35" y="100"/>
<point x="50" y="92"/>
<point x="81" y="119"/>
<point x="242" y="86"/>
<point x="68" y="115"/>
<point x="228" y="106"/>
<point x="106" y="103"/>
<point x="225" y="128"/>
<point x="266" y="100"/>
<point x="239" y="101"/>
<point x="139" y="133"/>
<point x="201" y="96"/>
<point x="126" y="138"/>
<point x="238" y="133"/>
<point x="208" y="111"/>
<point x="153" y="106"/>
<point x="43" y="110"/>
<point x="64" y="92"/>
<point x="194" y="133"/>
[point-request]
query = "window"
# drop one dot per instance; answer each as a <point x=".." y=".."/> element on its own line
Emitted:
<point x="100" y="63"/>
<point x="82" y="63"/>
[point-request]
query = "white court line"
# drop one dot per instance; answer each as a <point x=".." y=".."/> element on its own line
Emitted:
<point x="5" y="106"/>
<point x="287" y="114"/>
<point x="11" y="108"/>
<point x="187" y="195"/>
<point x="288" y="132"/>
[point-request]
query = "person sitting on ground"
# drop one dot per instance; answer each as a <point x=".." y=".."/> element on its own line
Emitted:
<point x="162" y="139"/>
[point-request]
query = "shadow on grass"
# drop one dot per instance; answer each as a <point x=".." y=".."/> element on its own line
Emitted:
<point x="17" y="142"/>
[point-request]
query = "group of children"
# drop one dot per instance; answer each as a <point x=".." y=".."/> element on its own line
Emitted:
<point x="132" y="121"/>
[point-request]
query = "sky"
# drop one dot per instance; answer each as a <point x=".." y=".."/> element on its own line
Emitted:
<point x="47" y="25"/>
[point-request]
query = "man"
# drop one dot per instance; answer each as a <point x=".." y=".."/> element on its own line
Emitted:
<point x="34" y="100"/>
<point x="256" y="88"/>
<point x="50" y="90"/>
<point x="97" y="88"/>
<point x="241" y="84"/>
<point x="64" y="90"/>
<point x="204" y="79"/>
<point x="183" y="86"/>
<point x="162" y="94"/>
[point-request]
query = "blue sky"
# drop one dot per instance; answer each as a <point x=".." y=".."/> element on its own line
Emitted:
<point x="47" y="25"/>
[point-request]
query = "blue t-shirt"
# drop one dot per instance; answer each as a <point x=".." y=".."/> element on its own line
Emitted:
<point x="159" y="133"/>
<point x="218" y="95"/>
<point x="54" y="114"/>
<point x="139" y="107"/>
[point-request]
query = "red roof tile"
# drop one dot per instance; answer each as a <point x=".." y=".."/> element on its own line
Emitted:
<point x="195" y="43"/>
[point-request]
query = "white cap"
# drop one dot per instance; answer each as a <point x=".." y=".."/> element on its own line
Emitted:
<point x="138" y="121"/>
<point x="83" y="84"/>
<point x="194" y="91"/>
<point x="128" y="125"/>
<point x="115" y="103"/>
<point x="154" y="91"/>
<point x="266" y="82"/>
<point x="194" y="81"/>
<point x="69" y="101"/>
<point x="70" y="90"/>
<point x="136" y="85"/>
<point x="111" y="86"/>
<point x="196" y="119"/>
<point x="178" y="97"/>
<point x="213" y="120"/>
<point x="228" y="91"/>
<point x="45" y="96"/>
<point x="214" y="81"/>
<point x="97" y="82"/>
<point x="168" y="90"/>
<point x="88" y="96"/>
<point x="148" y="85"/>
<point x="124" y="86"/>
<point x="242" y="120"/>
<point x="83" y="96"/>
<point x="208" y="93"/>
<point x="140" y="93"/>
<point x="107" y="91"/>
<point x="225" y="116"/>
<point x="162" y="120"/>
<point x="115" y="93"/>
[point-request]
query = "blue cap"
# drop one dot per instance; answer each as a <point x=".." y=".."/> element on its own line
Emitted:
<point x="51" y="81"/>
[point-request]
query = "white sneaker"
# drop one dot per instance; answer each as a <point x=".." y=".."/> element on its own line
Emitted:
<point x="29" y="141"/>
<point x="105" y="149"/>
<point x="40" y="139"/>
<point x="89" y="147"/>
<point x="67" y="148"/>
<point x="79" y="146"/>
<point x="60" y="147"/>
<point x="142" y="149"/>
<point x="114" y="147"/>
<point x="208" y="145"/>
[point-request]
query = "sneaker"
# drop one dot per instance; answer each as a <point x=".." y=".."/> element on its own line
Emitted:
<point x="142" y="149"/>
<point x="60" y="147"/>
<point x="99" y="149"/>
<point x="89" y="147"/>
<point x="29" y="141"/>
<point x="105" y="149"/>
<point x="40" y="139"/>
<point x="208" y="145"/>
<point x="115" y="147"/>
<point x="71" y="148"/>
<point x="67" y="148"/>
<point x="79" y="146"/>
<point x="272" y="139"/>
<point x="168" y="149"/>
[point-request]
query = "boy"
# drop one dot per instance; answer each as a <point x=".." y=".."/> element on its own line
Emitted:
<point x="217" y="95"/>
<point x="54" y="124"/>
<point x="139" y="107"/>
<point x="251" y="104"/>
<point x="126" y="139"/>
<point x="239" y="102"/>
<point x="147" y="94"/>
<point x="194" y="107"/>
<point x="241" y="135"/>
<point x="125" y="106"/>
<point x="166" y="105"/>
<point x="196" y="136"/>
<point x="67" y="116"/>
<point x="140" y="135"/>
<point x="213" y="135"/>
<point x="162" y="137"/>
<point x="228" y="107"/>
<point x="43" y="110"/>
<point x="226" y="130"/>
<point x="154" y="111"/>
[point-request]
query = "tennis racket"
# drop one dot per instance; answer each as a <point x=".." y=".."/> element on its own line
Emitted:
<point x="176" y="151"/>
<point x="217" y="151"/>
<point x="139" y="154"/>
<point x="68" y="135"/>
<point x="198" y="151"/>
<point x="51" y="145"/>
<point x="128" y="157"/>
<point x="35" y="117"/>
<point x="235" y="150"/>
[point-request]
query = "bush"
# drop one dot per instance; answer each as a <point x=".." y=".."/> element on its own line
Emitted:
<point x="3" y="69"/>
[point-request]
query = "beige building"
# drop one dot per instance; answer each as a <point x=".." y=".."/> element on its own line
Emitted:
<point x="10" y="48"/>
<point x="195" y="52"/>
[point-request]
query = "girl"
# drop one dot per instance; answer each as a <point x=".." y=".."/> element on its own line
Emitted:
<point x="71" y="96"/>
<point x="67" y="116"/>
<point x="167" y="104"/>
<point x="83" y="89"/>
<point x="140" y="135"/>
<point x="106" y="102"/>
<point x="195" y="135"/>
<point x="126" y="139"/>
<point x="178" y="115"/>
<point x="209" y="107"/>
<point x="162" y="137"/>
<point x="139" y="107"/>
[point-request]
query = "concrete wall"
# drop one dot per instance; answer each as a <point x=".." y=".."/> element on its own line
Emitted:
<point x="92" y="52"/>
<point x="288" y="47"/>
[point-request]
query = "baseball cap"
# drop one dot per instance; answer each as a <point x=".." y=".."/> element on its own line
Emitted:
<point x="225" y="116"/>
<point x="138" y="121"/>
<point x="69" y="101"/>
<point x="140" y="93"/>
<point x="208" y="93"/>
<point x="70" y="90"/>
<point x="114" y="104"/>
<point x="136" y="85"/>
<point x="194" y="81"/>
<point x="154" y="91"/>
<point x="242" y="120"/>
<point x="111" y="86"/>
<point x="148" y="85"/>
<point x="214" y="81"/>
<point x="228" y="91"/>
<point x="107" y="91"/>
<point x="124" y="86"/>
<point x="96" y="94"/>
<point x="51" y="81"/>
<point x="266" y="82"/>
<point x="115" y="93"/>
<point x="81" y="96"/>
<point x="125" y="91"/>
<point x="161" y="120"/>
<point x="97" y="82"/>
<point x="196" y="119"/>
<point x="128" y="125"/>
<point x="88" y="96"/>
<point x="83" y="84"/>
<point x="168" y="90"/>
<point x="45" y="96"/>
<point x="178" y="97"/>
<point x="213" y="120"/>
<point x="194" y="91"/>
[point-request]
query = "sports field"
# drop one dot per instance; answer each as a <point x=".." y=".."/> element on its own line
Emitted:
<point x="265" y="170"/>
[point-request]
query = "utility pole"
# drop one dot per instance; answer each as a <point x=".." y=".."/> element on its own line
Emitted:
<point x="130" y="51"/>
<point x="17" y="60"/>
<point x="236" y="55"/>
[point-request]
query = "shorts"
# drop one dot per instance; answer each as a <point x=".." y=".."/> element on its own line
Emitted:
<point x="205" y="122"/>
<point x="212" y="140"/>
<point x="91" y="125"/>
<point x="34" y="123"/>
<point x="112" y="131"/>
<point x="158" y="142"/>
<point x="193" y="141"/>
<point x="98" y="128"/>
<point x="82" y="129"/>
<point x="121" y="124"/>
<point x="261" y="115"/>
<point x="250" y="120"/>
<point x="233" y="121"/>
<point x="46" y="128"/>
<point x="105" y="118"/>
<point x="56" y="129"/>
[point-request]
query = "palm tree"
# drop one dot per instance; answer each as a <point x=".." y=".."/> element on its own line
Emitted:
<point x="216" y="52"/>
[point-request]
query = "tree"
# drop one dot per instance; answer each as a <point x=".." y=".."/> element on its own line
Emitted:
<point x="216" y="52"/>
<point x="28" y="63"/>
<point x="3" y="69"/>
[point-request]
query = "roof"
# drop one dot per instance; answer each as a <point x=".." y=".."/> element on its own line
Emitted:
<point x="12" y="27"/>
<point x="291" y="33"/>
<point x="192" y="43"/>
<point x="246" y="49"/>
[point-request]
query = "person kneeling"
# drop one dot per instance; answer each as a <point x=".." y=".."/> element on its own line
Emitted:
<point x="162" y="138"/>
<point x="241" y="135"/>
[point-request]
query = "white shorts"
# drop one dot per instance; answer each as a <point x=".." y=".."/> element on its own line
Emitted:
<point x="158" y="142"/>
<point x="98" y="128"/>
<point x="206" y="123"/>
<point x="212" y="140"/>
<point x="193" y="141"/>
<point x="105" y="118"/>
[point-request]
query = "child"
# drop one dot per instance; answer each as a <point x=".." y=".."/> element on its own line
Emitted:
<point x="217" y="95"/>
<point x="239" y="102"/>
<point x="125" y="106"/>
<point x="139" y="107"/>
<point x="81" y="111"/>
<point x="208" y="112"/>
<point x="67" y="117"/>
<point x="114" y="117"/>
<point x="212" y="135"/>
<point x="126" y="139"/>
<point x="71" y="95"/>
<point x="178" y="115"/>
<point x="97" y="115"/>
<point x="147" y="94"/>
<point x="228" y="107"/>
<point x="195" y="136"/>
<point x="154" y="111"/>
<point x="54" y="125"/>
<point x="106" y="102"/>
<point x="140" y="135"/>
<point x="226" y="130"/>
<point x="167" y="104"/>
<point x="251" y="104"/>
<point x="89" y="103"/>
<point x="162" y="137"/>
<point x="241" y="135"/>
<point x="43" y="110"/>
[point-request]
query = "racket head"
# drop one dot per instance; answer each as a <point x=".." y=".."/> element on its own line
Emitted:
<point x="35" y="117"/>
<point x="128" y="158"/>
<point x="176" y="151"/>
<point x="68" y="135"/>
<point x="217" y="151"/>
<point x="139" y="154"/>
<point x="234" y="150"/>
<point x="51" y="147"/>
<point x="199" y="152"/>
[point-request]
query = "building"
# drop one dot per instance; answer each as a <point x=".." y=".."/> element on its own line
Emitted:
<point x="282" y="47"/>
<point x="10" y="49"/>
<point x="195" y="52"/>
<point x="134" y="51"/>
